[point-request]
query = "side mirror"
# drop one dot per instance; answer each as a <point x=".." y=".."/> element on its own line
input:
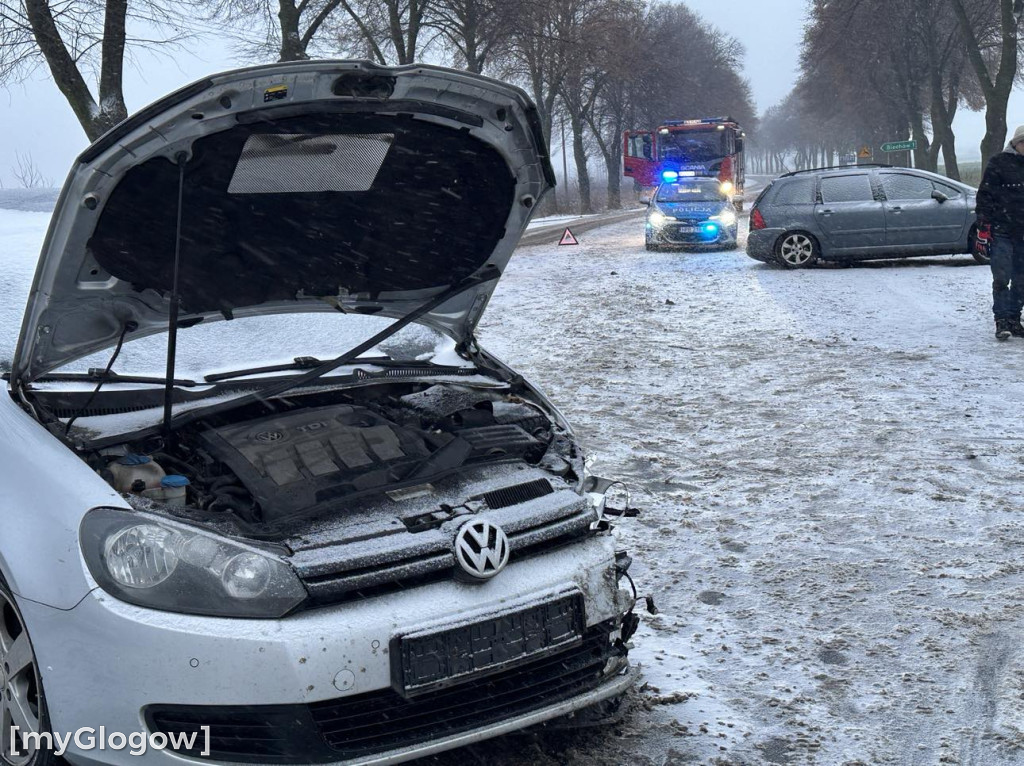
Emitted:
<point x="939" y="196"/>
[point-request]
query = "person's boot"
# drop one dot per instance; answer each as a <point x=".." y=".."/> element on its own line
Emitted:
<point x="1016" y="330"/>
<point x="1003" y="330"/>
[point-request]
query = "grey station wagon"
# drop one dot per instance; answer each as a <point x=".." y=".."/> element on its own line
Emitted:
<point x="860" y="213"/>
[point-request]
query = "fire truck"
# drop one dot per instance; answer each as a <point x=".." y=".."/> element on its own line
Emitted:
<point x="712" y="146"/>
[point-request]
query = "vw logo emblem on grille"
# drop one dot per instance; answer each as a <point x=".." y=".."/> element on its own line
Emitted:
<point x="269" y="436"/>
<point x="481" y="549"/>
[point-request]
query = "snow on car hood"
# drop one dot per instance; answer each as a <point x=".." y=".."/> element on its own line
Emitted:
<point x="307" y="186"/>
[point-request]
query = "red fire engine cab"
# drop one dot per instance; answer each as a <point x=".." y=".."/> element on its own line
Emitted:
<point x="711" y="146"/>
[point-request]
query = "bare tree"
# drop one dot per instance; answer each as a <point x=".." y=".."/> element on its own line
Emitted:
<point x="27" y="173"/>
<point x="580" y="26"/>
<point x="917" y="80"/>
<point x="474" y="28"/>
<point x="283" y="29"/>
<point x="389" y="31"/>
<point x="991" y="35"/>
<point x="77" y="40"/>
<point x="535" y="57"/>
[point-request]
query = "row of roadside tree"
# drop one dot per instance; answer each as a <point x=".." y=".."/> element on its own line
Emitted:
<point x="882" y="70"/>
<point x="598" y="67"/>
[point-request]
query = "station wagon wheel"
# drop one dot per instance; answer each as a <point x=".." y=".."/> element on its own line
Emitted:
<point x="21" y="699"/>
<point x="797" y="250"/>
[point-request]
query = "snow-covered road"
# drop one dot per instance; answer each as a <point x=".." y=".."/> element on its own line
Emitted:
<point x="829" y="466"/>
<point x="829" y="462"/>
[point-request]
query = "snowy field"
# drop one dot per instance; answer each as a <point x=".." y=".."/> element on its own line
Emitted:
<point x="828" y="463"/>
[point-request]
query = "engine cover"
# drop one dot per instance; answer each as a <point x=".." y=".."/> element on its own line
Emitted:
<point x="294" y="461"/>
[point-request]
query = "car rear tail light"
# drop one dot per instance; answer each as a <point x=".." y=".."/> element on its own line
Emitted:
<point x="757" y="220"/>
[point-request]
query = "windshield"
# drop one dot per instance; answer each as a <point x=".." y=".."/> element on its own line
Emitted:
<point x="692" y="145"/>
<point x="249" y="342"/>
<point x="698" y="190"/>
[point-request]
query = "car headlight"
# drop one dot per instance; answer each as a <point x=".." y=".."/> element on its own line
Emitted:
<point x="726" y="218"/>
<point x="657" y="218"/>
<point x="727" y="187"/>
<point x="154" y="562"/>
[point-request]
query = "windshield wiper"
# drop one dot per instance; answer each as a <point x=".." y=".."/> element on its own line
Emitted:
<point x="299" y="363"/>
<point x="96" y="375"/>
<point x="489" y="274"/>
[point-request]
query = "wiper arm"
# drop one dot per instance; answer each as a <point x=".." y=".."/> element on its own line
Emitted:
<point x="96" y="375"/>
<point x="299" y="363"/>
<point x="489" y="274"/>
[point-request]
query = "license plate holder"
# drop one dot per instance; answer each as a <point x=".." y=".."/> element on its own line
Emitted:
<point x="426" y="662"/>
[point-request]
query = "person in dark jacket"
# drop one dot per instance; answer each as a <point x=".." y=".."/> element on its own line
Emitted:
<point x="1000" y="234"/>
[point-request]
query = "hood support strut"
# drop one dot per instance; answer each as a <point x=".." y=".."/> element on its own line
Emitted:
<point x="172" y="323"/>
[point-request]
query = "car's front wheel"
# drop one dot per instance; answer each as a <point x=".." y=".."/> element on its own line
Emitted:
<point x="22" y="705"/>
<point x="797" y="250"/>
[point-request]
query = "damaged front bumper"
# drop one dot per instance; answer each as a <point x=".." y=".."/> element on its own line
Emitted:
<point x="321" y="686"/>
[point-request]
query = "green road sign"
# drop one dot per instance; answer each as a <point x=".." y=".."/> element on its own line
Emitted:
<point x="899" y="146"/>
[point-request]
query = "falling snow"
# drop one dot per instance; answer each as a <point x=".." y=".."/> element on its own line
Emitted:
<point x="829" y="469"/>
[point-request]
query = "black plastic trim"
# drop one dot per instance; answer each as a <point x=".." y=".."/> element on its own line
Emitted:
<point x="406" y="106"/>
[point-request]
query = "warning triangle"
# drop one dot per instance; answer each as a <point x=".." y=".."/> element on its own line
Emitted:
<point x="568" y="239"/>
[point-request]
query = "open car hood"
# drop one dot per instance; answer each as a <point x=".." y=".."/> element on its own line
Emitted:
<point x="306" y="186"/>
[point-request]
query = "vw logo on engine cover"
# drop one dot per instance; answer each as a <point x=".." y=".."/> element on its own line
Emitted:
<point x="481" y="549"/>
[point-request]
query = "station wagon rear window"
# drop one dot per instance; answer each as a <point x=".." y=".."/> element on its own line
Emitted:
<point x="798" y="191"/>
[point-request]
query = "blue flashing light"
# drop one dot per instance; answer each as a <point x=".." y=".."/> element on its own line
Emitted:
<point x="669" y="176"/>
<point x="710" y="230"/>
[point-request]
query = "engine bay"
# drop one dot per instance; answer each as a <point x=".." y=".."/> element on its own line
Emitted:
<point x="313" y="452"/>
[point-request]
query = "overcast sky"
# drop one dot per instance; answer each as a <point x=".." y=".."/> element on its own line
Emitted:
<point x="771" y="31"/>
<point x="35" y="119"/>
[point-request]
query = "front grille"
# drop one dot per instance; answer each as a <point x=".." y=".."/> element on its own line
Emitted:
<point x="520" y="493"/>
<point x="245" y="733"/>
<point x="382" y="720"/>
<point x="348" y="578"/>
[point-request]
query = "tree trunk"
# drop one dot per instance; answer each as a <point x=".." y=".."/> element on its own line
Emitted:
<point x="613" y="161"/>
<point x="471" y="39"/>
<point x="580" y="156"/>
<point x="292" y="48"/>
<point x="63" y="67"/>
<point x="473" y="62"/>
<point x="944" y="139"/>
<point x="949" y="158"/>
<point x="612" y="155"/>
<point x="112" y="107"/>
<point x="995" y="131"/>
<point x="405" y="41"/>
<point x="923" y="156"/>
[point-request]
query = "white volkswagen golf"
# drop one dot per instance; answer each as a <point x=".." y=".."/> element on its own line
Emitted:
<point x="261" y="483"/>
